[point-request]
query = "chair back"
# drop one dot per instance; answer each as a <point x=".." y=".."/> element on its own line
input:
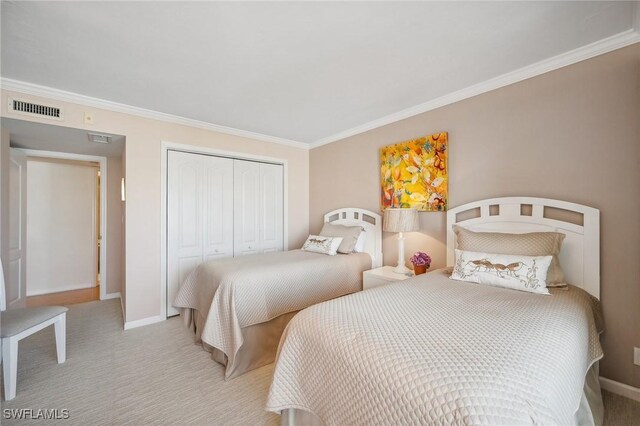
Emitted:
<point x="3" y="301"/>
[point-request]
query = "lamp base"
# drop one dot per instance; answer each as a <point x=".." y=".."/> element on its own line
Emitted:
<point x="402" y="269"/>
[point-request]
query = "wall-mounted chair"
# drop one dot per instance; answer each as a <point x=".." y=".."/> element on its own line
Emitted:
<point x="16" y="324"/>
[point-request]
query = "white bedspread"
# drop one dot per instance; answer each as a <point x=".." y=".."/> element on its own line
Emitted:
<point x="432" y="350"/>
<point x="239" y="292"/>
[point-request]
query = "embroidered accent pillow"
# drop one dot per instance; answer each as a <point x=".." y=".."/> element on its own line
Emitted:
<point x="323" y="245"/>
<point x="525" y="273"/>
<point x="528" y="244"/>
<point x="349" y="235"/>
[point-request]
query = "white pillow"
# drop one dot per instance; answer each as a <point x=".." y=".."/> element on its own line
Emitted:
<point x="526" y="273"/>
<point x="323" y="245"/>
<point x="362" y="239"/>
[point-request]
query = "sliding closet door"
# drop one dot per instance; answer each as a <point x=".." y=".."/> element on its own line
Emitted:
<point x="246" y="200"/>
<point x="271" y="207"/>
<point x="199" y="215"/>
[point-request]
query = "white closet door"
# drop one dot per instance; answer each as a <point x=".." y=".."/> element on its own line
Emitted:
<point x="271" y="214"/>
<point x="218" y="212"/>
<point x="246" y="202"/>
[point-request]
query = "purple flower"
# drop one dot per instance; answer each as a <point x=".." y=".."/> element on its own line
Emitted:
<point x="420" y="258"/>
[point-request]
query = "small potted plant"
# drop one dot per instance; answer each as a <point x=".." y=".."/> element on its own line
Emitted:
<point x="421" y="262"/>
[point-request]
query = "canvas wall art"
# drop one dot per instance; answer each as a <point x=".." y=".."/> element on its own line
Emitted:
<point x="413" y="174"/>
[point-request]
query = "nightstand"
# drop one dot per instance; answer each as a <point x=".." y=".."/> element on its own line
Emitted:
<point x="381" y="276"/>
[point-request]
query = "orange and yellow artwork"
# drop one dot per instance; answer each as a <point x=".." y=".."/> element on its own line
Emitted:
<point x="413" y="174"/>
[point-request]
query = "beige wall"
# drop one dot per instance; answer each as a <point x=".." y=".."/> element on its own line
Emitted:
<point x="142" y="172"/>
<point x="114" y="226"/>
<point x="572" y="134"/>
<point x="61" y="237"/>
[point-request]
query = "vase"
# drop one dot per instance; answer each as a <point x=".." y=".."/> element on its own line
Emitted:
<point x="420" y="269"/>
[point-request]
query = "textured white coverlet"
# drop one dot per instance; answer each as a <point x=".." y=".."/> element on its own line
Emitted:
<point x="432" y="350"/>
<point x="234" y="293"/>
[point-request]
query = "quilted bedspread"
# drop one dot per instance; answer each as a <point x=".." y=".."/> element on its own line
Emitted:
<point x="239" y="292"/>
<point x="432" y="350"/>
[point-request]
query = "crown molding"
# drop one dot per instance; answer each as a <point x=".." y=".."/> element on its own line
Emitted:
<point x="76" y="98"/>
<point x="600" y="47"/>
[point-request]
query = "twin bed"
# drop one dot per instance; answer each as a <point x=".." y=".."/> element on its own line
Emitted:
<point x="432" y="350"/>
<point x="239" y="307"/>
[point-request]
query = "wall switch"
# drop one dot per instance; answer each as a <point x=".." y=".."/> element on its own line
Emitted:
<point x="88" y="118"/>
<point x="636" y="356"/>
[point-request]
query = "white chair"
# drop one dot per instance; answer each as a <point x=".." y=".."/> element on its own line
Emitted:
<point x="16" y="324"/>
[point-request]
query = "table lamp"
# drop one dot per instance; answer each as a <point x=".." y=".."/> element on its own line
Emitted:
<point x="400" y="220"/>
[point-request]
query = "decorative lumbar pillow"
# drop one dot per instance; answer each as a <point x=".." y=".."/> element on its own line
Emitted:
<point x="362" y="240"/>
<point x="324" y="245"/>
<point x="349" y="235"/>
<point x="529" y="244"/>
<point x="526" y="273"/>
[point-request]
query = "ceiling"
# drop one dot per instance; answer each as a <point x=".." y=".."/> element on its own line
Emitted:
<point x="47" y="137"/>
<point x="301" y="71"/>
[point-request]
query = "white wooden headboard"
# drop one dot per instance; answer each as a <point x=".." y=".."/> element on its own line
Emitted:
<point x="580" y="254"/>
<point x="370" y="221"/>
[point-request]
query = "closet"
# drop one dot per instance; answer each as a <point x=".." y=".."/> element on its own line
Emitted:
<point x="219" y="207"/>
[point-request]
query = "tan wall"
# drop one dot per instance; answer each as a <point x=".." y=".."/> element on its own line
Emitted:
<point x="142" y="171"/>
<point x="572" y="134"/>
<point x="114" y="226"/>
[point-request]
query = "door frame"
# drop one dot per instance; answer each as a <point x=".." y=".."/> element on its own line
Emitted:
<point x="166" y="146"/>
<point x="102" y="162"/>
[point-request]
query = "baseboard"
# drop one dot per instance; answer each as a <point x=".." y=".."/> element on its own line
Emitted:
<point x="60" y="290"/>
<point x="142" y="322"/>
<point x="108" y="296"/>
<point x="620" y="388"/>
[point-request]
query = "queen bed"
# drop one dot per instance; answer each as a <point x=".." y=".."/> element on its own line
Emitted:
<point x="432" y="350"/>
<point x="239" y="307"/>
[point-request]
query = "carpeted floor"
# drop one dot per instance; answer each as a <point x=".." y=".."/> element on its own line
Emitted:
<point x="154" y="375"/>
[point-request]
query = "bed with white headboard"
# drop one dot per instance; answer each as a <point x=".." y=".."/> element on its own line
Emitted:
<point x="476" y="352"/>
<point x="580" y="254"/>
<point x="371" y="224"/>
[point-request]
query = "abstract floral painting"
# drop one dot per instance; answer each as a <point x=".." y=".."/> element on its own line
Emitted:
<point x="413" y="174"/>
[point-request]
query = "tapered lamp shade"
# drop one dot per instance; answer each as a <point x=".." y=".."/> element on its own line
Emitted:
<point x="400" y="220"/>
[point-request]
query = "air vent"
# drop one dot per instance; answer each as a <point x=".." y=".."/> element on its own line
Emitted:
<point x="99" y="138"/>
<point x="30" y="108"/>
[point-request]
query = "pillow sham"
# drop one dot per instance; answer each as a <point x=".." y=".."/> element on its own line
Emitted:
<point x="322" y="245"/>
<point x="349" y="235"/>
<point x="525" y="273"/>
<point x="528" y="244"/>
<point x="362" y="239"/>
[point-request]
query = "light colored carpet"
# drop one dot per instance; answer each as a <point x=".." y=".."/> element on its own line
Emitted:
<point x="155" y="375"/>
<point x="147" y="375"/>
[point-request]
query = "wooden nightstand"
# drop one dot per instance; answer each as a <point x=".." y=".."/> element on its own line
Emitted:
<point x="381" y="276"/>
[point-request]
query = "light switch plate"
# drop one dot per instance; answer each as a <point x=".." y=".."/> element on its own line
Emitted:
<point x="636" y="356"/>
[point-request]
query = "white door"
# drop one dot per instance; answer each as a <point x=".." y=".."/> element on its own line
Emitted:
<point x="271" y="207"/>
<point x="246" y="202"/>
<point x="218" y="212"/>
<point x="184" y="220"/>
<point x="16" y="285"/>
<point x="199" y="215"/>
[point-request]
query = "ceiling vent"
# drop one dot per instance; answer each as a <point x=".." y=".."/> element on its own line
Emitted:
<point x="99" y="138"/>
<point x="30" y="108"/>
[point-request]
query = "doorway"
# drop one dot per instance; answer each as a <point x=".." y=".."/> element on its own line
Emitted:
<point x="63" y="236"/>
<point x="46" y="143"/>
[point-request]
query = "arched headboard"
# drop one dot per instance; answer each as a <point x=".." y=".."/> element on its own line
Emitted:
<point x="580" y="253"/>
<point x="370" y="221"/>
